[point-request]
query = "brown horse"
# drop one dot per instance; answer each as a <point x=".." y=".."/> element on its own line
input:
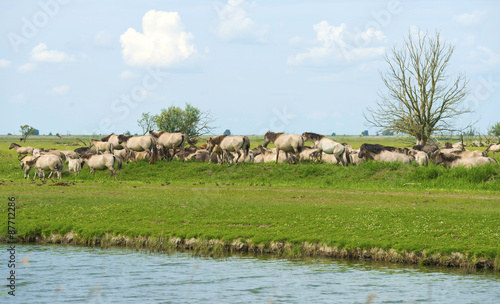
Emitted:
<point x="292" y="143"/>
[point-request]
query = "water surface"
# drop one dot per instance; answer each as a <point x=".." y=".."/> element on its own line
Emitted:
<point x="68" y="274"/>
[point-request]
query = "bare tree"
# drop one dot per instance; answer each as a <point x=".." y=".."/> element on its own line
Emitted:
<point x="421" y="98"/>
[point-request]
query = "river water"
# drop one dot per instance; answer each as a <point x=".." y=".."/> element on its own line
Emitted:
<point x="68" y="274"/>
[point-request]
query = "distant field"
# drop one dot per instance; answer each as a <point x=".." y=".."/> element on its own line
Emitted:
<point x="430" y="211"/>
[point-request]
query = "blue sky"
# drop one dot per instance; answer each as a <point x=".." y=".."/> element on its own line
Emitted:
<point x="84" y="67"/>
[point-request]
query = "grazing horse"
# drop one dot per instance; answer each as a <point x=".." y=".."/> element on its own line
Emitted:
<point x="139" y="144"/>
<point x="170" y="141"/>
<point x="21" y="150"/>
<point x="101" y="162"/>
<point x="286" y="143"/>
<point x="46" y="162"/>
<point x="328" y="146"/>
<point x="385" y="153"/>
<point x="113" y="139"/>
<point x="101" y="146"/>
<point x="230" y="144"/>
<point x="452" y="161"/>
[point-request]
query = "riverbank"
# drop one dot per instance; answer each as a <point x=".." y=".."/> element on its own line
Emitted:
<point x="215" y="247"/>
<point x="434" y="227"/>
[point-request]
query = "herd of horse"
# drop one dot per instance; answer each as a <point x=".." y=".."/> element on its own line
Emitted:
<point x="111" y="151"/>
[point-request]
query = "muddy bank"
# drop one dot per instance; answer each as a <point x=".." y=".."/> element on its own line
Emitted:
<point x="282" y="249"/>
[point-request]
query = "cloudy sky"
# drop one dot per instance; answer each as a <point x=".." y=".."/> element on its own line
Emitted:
<point x="83" y="67"/>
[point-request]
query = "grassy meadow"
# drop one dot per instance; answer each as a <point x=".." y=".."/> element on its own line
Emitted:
<point x="417" y="214"/>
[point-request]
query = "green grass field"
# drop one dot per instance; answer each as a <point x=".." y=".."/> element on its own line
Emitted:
<point x="434" y="213"/>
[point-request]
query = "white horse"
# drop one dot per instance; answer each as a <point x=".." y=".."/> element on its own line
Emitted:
<point x="230" y="144"/>
<point x="328" y="146"/>
<point x="101" y="162"/>
<point x="139" y="144"/>
<point x="101" y="146"/>
<point x="382" y="153"/>
<point x="46" y="162"/>
<point x="23" y="164"/>
<point x="452" y="161"/>
<point x="74" y="165"/>
<point x="292" y="143"/>
<point x="170" y="141"/>
<point x="21" y="150"/>
<point x="113" y="139"/>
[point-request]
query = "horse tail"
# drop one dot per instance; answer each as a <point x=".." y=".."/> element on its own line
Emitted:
<point x="345" y="155"/>
<point x="117" y="160"/>
<point x="301" y="144"/>
<point x="246" y="145"/>
<point x="154" y="151"/>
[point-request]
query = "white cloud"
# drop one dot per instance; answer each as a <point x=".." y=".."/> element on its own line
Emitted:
<point x="235" y="24"/>
<point x="60" y="90"/>
<point x="163" y="41"/>
<point x="42" y="54"/>
<point x="4" y="63"/>
<point x="468" y="19"/>
<point x="336" y="44"/>
<point x="127" y="75"/>
<point x="29" y="66"/>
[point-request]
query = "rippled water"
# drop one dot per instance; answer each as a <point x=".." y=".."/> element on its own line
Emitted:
<point x="66" y="274"/>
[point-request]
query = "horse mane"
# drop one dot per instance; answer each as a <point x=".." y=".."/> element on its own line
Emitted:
<point x="313" y="136"/>
<point x="376" y="148"/>
<point x="107" y="137"/>
<point x="22" y="157"/>
<point x="217" y="139"/>
<point x="272" y="136"/>
<point x="418" y="147"/>
<point x="123" y="137"/>
<point x="33" y="161"/>
<point x="449" y="157"/>
<point x="14" y="144"/>
<point x="156" y="134"/>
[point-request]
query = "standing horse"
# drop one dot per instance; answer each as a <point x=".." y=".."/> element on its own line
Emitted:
<point x="139" y="144"/>
<point x="328" y="146"/>
<point x="101" y="146"/>
<point x="286" y="143"/>
<point x="21" y="150"/>
<point x="46" y="162"/>
<point x="230" y="144"/>
<point x="170" y="141"/>
<point x="113" y="139"/>
<point x="102" y="161"/>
